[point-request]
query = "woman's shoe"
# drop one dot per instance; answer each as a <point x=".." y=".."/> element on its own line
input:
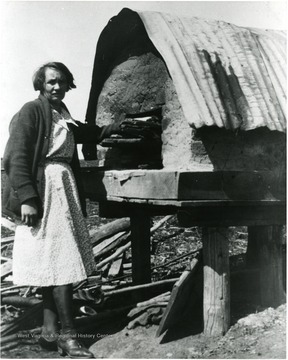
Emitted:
<point x="71" y="347"/>
<point x="49" y="343"/>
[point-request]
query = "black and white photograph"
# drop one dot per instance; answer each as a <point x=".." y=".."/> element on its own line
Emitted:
<point x="143" y="179"/>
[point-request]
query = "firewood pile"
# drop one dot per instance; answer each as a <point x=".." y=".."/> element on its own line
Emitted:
<point x="140" y="128"/>
<point x="138" y="144"/>
<point x="106" y="295"/>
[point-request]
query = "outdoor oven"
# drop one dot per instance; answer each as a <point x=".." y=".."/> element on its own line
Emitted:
<point x="203" y="103"/>
<point x="229" y="117"/>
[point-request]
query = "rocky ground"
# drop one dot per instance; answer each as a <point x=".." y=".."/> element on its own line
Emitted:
<point x="256" y="332"/>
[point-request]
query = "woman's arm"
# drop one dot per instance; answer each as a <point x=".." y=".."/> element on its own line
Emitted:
<point x="19" y="155"/>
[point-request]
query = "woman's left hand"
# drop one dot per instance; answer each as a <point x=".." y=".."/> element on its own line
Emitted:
<point x="29" y="212"/>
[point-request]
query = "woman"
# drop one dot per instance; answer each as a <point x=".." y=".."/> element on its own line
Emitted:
<point x="52" y="247"/>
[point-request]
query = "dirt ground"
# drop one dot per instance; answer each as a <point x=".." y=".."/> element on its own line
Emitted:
<point x="255" y="332"/>
<point x="257" y="336"/>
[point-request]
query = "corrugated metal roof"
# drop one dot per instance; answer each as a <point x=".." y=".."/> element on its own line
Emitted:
<point x="224" y="75"/>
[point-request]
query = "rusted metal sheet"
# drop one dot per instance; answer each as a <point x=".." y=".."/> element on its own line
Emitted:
<point x="224" y="75"/>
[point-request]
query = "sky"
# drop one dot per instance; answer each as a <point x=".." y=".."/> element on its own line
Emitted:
<point x="35" y="32"/>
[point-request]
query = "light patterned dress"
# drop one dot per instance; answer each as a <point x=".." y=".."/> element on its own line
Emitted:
<point x="57" y="250"/>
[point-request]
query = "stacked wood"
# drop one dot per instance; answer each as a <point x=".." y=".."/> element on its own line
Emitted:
<point x="137" y="129"/>
<point x="110" y="244"/>
<point x="105" y="231"/>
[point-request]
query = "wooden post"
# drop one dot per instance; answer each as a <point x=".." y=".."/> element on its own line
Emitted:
<point x="216" y="310"/>
<point x="252" y="253"/>
<point x="140" y="234"/>
<point x="271" y="267"/>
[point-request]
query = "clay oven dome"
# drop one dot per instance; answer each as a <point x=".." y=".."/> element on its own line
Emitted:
<point x="222" y="89"/>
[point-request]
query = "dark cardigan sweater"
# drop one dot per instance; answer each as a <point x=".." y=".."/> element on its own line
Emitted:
<point x="26" y="150"/>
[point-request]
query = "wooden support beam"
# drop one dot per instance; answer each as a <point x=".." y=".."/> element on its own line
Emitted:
<point x="243" y="215"/>
<point x="252" y="253"/>
<point x="216" y="308"/>
<point x="140" y="234"/>
<point x="271" y="266"/>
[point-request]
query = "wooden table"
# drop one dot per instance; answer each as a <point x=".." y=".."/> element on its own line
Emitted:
<point x="216" y="204"/>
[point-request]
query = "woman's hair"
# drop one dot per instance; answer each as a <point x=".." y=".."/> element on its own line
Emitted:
<point x="39" y="76"/>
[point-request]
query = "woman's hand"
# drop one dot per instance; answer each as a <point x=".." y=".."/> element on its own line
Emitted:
<point x="29" y="212"/>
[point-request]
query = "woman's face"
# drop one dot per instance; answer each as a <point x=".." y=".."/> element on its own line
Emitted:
<point x="55" y="86"/>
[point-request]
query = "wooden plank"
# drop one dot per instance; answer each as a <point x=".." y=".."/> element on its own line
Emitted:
<point x="125" y="208"/>
<point x="181" y="185"/>
<point x="8" y="224"/>
<point x="271" y="265"/>
<point x="135" y="183"/>
<point x="153" y="285"/>
<point x="122" y="142"/>
<point x="232" y="216"/>
<point x="6" y="269"/>
<point x="201" y="213"/>
<point x="116" y="266"/>
<point x="7" y="240"/>
<point x="182" y="297"/>
<point x="233" y="185"/>
<point x="114" y="256"/>
<point x="216" y="309"/>
<point x="106" y="242"/>
<point x="113" y="245"/>
<point x="140" y="234"/>
<point x="107" y="230"/>
<point x="193" y="203"/>
<point x="4" y="259"/>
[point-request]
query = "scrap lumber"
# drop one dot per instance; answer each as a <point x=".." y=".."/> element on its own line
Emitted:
<point x="181" y="294"/>
<point x="4" y="259"/>
<point x="8" y="339"/>
<point x="155" y="300"/>
<point x="108" y="230"/>
<point x="175" y="259"/>
<point x="6" y="269"/>
<point x="106" y="242"/>
<point x="10" y="288"/>
<point x="127" y="266"/>
<point x="8" y="224"/>
<point x="114" y="256"/>
<point x="20" y="301"/>
<point x="116" y="267"/>
<point x="160" y="223"/>
<point x="109" y="244"/>
<point x="32" y="315"/>
<point x="7" y="240"/>
<point x="10" y="292"/>
<point x="11" y="339"/>
<point x="140" y="287"/>
<point x="10" y="346"/>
